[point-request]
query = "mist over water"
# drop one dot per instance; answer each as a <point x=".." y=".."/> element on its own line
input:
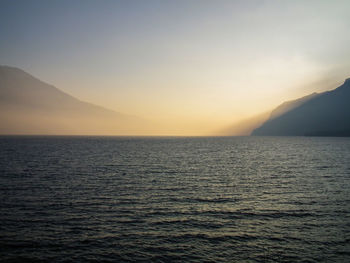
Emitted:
<point x="248" y="199"/>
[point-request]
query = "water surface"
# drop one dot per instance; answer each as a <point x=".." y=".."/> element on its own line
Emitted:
<point x="233" y="199"/>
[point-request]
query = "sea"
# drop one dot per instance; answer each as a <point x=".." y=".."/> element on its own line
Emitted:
<point x="174" y="199"/>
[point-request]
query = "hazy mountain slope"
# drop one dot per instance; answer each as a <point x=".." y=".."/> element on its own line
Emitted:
<point x="30" y="106"/>
<point x="326" y="114"/>
<point x="290" y="105"/>
<point x="247" y="126"/>
<point x="244" y="127"/>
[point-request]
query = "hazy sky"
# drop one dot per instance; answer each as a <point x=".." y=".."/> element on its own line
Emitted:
<point x="195" y="64"/>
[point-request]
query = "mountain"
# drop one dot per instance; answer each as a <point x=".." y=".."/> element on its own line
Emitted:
<point x="325" y="114"/>
<point x="30" y="106"/>
<point x="247" y="126"/>
<point x="290" y="105"/>
<point x="244" y="127"/>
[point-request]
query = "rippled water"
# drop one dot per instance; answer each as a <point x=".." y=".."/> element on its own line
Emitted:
<point x="239" y="199"/>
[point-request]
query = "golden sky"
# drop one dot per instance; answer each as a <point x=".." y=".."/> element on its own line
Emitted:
<point x="192" y="66"/>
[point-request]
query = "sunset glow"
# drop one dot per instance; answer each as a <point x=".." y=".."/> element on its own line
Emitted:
<point x="190" y="67"/>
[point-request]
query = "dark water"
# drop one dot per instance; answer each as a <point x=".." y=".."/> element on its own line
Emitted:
<point x="249" y="199"/>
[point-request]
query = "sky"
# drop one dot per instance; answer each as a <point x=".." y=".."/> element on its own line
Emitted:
<point x="194" y="65"/>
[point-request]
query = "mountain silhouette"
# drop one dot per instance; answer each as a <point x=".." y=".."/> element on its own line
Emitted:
<point x="30" y="106"/>
<point x="247" y="126"/>
<point x="290" y="105"/>
<point x="325" y="114"/>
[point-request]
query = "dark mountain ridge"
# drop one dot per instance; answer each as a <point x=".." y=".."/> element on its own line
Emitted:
<point x="327" y="114"/>
<point x="290" y="105"/>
